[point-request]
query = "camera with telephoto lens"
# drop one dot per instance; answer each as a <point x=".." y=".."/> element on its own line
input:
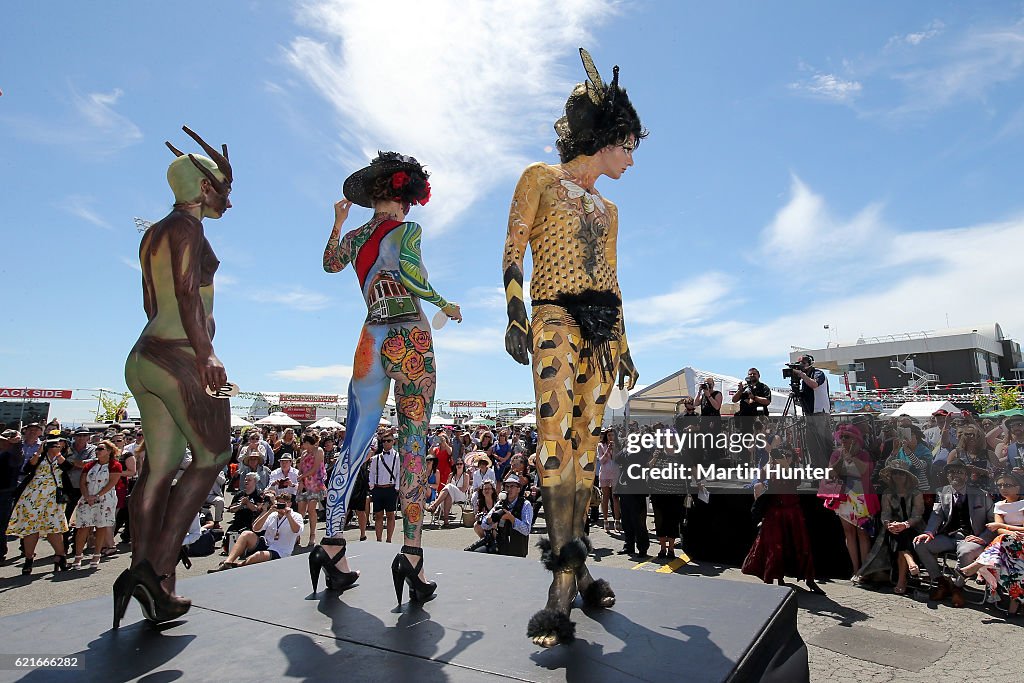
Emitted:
<point x="499" y="509"/>
<point x="794" y="379"/>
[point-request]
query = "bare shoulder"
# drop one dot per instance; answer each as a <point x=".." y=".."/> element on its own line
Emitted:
<point x="539" y="172"/>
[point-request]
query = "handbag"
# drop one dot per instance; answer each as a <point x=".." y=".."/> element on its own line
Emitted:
<point x="62" y="498"/>
<point x="830" y="491"/>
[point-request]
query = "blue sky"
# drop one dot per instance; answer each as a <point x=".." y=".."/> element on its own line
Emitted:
<point x="856" y="165"/>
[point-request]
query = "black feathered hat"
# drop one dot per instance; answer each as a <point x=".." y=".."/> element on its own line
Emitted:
<point x="359" y="185"/>
<point x="596" y="115"/>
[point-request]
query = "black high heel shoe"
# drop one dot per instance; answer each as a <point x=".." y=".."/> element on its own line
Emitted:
<point x="26" y="568"/>
<point x="60" y="563"/>
<point x="320" y="560"/>
<point x="402" y="570"/>
<point x="143" y="583"/>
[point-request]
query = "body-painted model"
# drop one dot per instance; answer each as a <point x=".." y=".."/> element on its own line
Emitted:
<point x="168" y="372"/>
<point x="577" y="336"/>
<point x="395" y="344"/>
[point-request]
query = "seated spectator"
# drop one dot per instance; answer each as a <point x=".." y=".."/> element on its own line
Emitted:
<point x="484" y="500"/>
<point x="253" y="462"/>
<point x="902" y="519"/>
<point x="281" y="528"/>
<point x="1001" y="564"/>
<point x="285" y="479"/>
<point x="512" y="527"/>
<point x="959" y="522"/>
<point x="215" y="499"/>
<point x="456" y="490"/>
<point x="483" y="472"/>
<point x="255" y="444"/>
<point x="245" y="506"/>
<point x="199" y="541"/>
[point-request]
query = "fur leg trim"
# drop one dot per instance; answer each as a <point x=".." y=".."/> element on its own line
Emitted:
<point x="572" y="555"/>
<point x="596" y="593"/>
<point x="551" y="622"/>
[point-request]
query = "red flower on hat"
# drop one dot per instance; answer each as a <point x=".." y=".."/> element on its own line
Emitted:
<point x="399" y="179"/>
<point x="426" y="197"/>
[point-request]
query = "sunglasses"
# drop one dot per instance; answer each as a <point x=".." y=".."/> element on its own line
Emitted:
<point x="1008" y="485"/>
<point x="100" y="448"/>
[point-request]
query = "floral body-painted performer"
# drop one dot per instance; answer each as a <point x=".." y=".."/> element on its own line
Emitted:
<point x="395" y="344"/>
<point x="577" y="335"/>
<point x="168" y="372"/>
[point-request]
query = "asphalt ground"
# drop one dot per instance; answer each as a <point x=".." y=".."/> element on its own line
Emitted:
<point x="854" y="635"/>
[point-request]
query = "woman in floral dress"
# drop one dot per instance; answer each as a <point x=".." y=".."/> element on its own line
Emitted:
<point x="38" y="510"/>
<point x="1002" y="562"/>
<point x="98" y="506"/>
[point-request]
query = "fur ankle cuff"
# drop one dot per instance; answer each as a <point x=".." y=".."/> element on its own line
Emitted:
<point x="547" y="622"/>
<point x="572" y="555"/>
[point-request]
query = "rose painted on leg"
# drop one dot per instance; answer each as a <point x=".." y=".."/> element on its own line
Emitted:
<point x="412" y="513"/>
<point x="413" y="366"/>
<point x="413" y="407"/>
<point x="421" y="340"/>
<point x="394" y="348"/>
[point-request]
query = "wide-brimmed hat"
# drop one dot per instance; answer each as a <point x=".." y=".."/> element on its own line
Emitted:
<point x="899" y="466"/>
<point x="474" y="458"/>
<point x="971" y="469"/>
<point x="513" y="478"/>
<point x="286" y="456"/>
<point x="82" y="431"/>
<point x="1013" y="418"/>
<point x="357" y="186"/>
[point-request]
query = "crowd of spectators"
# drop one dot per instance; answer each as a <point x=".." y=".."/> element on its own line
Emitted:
<point x="908" y="494"/>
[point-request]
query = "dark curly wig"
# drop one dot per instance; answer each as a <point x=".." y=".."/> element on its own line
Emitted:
<point x="591" y="128"/>
<point x="406" y="187"/>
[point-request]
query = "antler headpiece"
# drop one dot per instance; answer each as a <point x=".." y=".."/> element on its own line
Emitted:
<point x="221" y="186"/>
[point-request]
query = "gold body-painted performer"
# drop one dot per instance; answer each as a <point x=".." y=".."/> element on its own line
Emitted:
<point x="577" y="335"/>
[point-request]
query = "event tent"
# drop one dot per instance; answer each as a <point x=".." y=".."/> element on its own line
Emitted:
<point x="658" y="401"/>
<point x="238" y="422"/>
<point x="481" y="421"/>
<point x="440" y="420"/>
<point x="924" y="408"/>
<point x="530" y="419"/>
<point x="278" y="420"/>
<point x="327" y="423"/>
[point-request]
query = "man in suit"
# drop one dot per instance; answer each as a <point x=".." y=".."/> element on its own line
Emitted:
<point x="958" y="521"/>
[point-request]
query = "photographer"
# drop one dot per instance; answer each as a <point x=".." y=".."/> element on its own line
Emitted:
<point x="753" y="395"/>
<point x="281" y="527"/>
<point x="510" y="520"/>
<point x="814" y="398"/>
<point x="816" y="404"/>
<point x="245" y="506"/>
<point x="708" y="398"/>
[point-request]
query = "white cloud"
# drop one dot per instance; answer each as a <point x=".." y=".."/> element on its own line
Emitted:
<point x="806" y="224"/>
<point x="82" y="206"/>
<point x="464" y="88"/>
<point x="976" y="62"/>
<point x="934" y="29"/>
<point x="910" y="285"/>
<point x="455" y="338"/>
<point x="295" y="297"/>
<point x="686" y="303"/>
<point x="828" y="87"/>
<point x="311" y="373"/>
<point x="132" y="263"/>
<point x="95" y="127"/>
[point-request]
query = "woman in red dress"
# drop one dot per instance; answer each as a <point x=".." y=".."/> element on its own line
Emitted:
<point x="782" y="546"/>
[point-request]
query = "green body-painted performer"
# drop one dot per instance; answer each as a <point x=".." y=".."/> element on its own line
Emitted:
<point x="168" y="372"/>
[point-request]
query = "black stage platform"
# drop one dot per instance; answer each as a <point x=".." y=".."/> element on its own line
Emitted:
<point x="262" y="623"/>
